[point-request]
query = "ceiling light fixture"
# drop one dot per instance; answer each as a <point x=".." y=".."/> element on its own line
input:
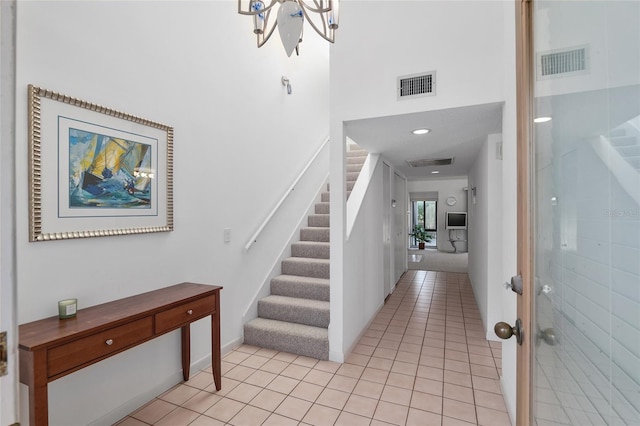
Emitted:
<point x="541" y="119"/>
<point x="323" y="15"/>
<point x="420" y="131"/>
<point x="435" y="172"/>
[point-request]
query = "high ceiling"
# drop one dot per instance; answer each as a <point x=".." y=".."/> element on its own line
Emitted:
<point x="455" y="132"/>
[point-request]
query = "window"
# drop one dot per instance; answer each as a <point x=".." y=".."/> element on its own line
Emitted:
<point x="423" y="213"/>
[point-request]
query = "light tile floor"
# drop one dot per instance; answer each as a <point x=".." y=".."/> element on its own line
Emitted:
<point x="422" y="361"/>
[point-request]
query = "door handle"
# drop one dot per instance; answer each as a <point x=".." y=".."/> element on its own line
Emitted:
<point x="548" y="335"/>
<point x="505" y="331"/>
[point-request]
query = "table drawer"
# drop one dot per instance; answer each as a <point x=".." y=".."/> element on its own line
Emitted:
<point x="87" y="349"/>
<point x="185" y="313"/>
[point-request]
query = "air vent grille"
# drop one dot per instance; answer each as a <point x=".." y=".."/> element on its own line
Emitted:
<point x="561" y="63"/>
<point x="430" y="162"/>
<point x="417" y="85"/>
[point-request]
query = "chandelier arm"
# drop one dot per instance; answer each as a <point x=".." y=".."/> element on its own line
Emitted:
<point x="324" y="24"/>
<point x="317" y="9"/>
<point x="265" y="38"/>
<point x="255" y="12"/>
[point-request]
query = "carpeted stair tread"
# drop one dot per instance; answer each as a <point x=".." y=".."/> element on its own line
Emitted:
<point x="315" y="233"/>
<point x="293" y="309"/>
<point x="354" y="168"/>
<point x="306" y="267"/>
<point x="288" y="337"/>
<point x="319" y="220"/>
<point x="322" y="208"/>
<point x="301" y="287"/>
<point x="352" y="176"/>
<point x="357" y="153"/>
<point x="356" y="160"/>
<point x="313" y="249"/>
<point x="325" y="197"/>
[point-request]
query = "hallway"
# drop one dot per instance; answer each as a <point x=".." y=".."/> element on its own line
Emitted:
<point x="422" y="361"/>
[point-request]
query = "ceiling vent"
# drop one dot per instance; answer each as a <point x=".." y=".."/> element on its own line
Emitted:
<point x="562" y="63"/>
<point x="417" y="85"/>
<point x="427" y="163"/>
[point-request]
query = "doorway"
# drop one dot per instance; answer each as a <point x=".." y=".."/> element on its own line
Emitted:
<point x="424" y="214"/>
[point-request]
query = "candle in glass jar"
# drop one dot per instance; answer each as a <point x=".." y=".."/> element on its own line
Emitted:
<point x="67" y="308"/>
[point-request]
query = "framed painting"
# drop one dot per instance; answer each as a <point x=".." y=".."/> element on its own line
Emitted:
<point x="95" y="171"/>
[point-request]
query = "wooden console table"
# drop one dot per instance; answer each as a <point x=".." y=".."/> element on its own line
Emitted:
<point x="52" y="348"/>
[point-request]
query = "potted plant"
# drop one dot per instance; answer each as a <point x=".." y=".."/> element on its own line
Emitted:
<point x="421" y="235"/>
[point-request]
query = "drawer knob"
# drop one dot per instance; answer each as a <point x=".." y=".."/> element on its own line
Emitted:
<point x="109" y="342"/>
<point x="190" y="311"/>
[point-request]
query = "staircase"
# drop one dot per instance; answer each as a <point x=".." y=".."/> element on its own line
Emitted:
<point x="295" y="317"/>
<point x="355" y="159"/>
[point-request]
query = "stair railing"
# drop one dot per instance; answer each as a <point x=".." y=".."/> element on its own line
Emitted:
<point x="254" y="237"/>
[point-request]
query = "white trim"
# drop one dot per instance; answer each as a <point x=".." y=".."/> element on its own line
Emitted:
<point x="9" y="403"/>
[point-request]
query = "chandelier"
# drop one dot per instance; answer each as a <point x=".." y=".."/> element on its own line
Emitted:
<point x="322" y="15"/>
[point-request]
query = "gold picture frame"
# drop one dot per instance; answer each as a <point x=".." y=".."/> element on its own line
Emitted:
<point x="95" y="171"/>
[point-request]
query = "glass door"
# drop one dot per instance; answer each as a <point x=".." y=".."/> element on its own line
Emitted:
<point x="586" y="218"/>
<point x="424" y="215"/>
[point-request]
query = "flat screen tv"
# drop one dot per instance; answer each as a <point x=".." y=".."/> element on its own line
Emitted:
<point x="456" y="220"/>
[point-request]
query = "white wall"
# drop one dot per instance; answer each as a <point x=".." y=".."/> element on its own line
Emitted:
<point x="485" y="233"/>
<point x="445" y="188"/>
<point x="363" y="292"/>
<point x="239" y="142"/>
<point x="461" y="41"/>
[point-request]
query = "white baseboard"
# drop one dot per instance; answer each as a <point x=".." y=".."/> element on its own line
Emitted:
<point x="363" y="331"/>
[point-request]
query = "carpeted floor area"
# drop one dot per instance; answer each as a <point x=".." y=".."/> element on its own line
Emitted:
<point x="434" y="260"/>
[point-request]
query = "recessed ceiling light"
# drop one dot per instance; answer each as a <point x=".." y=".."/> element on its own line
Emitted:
<point x="435" y="171"/>
<point x="541" y="119"/>
<point x="421" y="131"/>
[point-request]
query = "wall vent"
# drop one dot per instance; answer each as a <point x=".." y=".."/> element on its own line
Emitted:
<point x="561" y="63"/>
<point x="417" y="85"/>
<point x="430" y="162"/>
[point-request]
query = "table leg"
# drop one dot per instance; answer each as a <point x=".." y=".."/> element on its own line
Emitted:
<point x="186" y="351"/>
<point x="216" y="359"/>
<point x="33" y="374"/>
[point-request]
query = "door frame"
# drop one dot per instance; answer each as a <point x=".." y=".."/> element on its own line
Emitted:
<point x="524" y="102"/>
<point x="9" y="411"/>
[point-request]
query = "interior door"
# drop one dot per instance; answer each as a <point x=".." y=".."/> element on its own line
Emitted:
<point x="579" y="213"/>
<point x="400" y="227"/>
<point x="386" y="227"/>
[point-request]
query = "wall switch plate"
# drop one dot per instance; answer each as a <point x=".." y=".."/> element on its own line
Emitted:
<point x="227" y="235"/>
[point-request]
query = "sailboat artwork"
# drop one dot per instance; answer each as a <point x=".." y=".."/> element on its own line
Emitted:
<point x="108" y="172"/>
